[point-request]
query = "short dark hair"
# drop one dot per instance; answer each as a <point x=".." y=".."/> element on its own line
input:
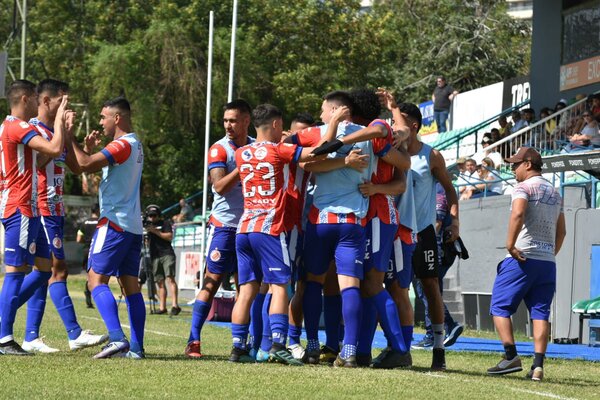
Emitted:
<point x="240" y="104"/>
<point x="52" y="86"/>
<point x="304" y="118"/>
<point x="120" y="103"/>
<point x="18" y="88"/>
<point x="529" y="111"/>
<point x="366" y="104"/>
<point x="263" y="114"/>
<point x="413" y="112"/>
<point x="340" y="98"/>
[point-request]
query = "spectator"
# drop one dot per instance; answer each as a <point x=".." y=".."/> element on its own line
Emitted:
<point x="442" y="99"/>
<point x="595" y="108"/>
<point x="518" y="122"/>
<point x="185" y="214"/>
<point x="489" y="182"/>
<point x="528" y="115"/>
<point x="505" y="127"/>
<point x="469" y="177"/>
<point x="162" y="255"/>
<point x="493" y="153"/>
<point x="589" y="134"/>
<point x="549" y="125"/>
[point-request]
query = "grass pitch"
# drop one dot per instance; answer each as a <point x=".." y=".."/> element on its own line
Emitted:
<point x="166" y="373"/>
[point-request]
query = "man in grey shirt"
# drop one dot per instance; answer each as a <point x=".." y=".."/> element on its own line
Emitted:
<point x="442" y="99"/>
<point x="536" y="231"/>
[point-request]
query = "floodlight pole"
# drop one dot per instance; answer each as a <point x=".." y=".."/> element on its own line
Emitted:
<point x="232" y="52"/>
<point x="22" y="7"/>
<point x="206" y="145"/>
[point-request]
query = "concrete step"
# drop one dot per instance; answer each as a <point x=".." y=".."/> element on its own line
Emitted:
<point x="455" y="307"/>
<point x="452" y="295"/>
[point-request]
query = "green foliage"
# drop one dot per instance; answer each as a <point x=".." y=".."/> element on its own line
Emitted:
<point x="288" y="54"/>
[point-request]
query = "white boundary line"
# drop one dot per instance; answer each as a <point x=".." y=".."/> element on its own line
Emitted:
<point x="129" y="327"/>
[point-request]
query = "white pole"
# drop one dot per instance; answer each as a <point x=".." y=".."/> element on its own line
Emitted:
<point x="232" y="52"/>
<point x="23" y="36"/>
<point x="206" y="145"/>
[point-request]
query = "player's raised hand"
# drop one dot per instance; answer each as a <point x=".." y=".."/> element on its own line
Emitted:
<point x="386" y="98"/>
<point x="356" y="160"/>
<point x="61" y="114"/>
<point x="91" y="141"/>
<point x="70" y="120"/>
<point x="340" y="114"/>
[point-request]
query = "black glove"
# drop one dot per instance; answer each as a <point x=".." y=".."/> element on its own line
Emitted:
<point x="327" y="147"/>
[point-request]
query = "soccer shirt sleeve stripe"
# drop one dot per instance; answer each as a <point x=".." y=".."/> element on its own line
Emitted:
<point x="28" y="136"/>
<point x="218" y="164"/>
<point x="297" y="154"/>
<point x="119" y="151"/>
<point x="384" y="151"/>
<point x="109" y="156"/>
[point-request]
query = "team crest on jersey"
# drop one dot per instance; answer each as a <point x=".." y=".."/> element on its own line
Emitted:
<point x="214" y="152"/>
<point x="32" y="248"/>
<point x="215" y="255"/>
<point x="247" y="155"/>
<point x="57" y="243"/>
<point x="24" y="125"/>
<point x="260" y="153"/>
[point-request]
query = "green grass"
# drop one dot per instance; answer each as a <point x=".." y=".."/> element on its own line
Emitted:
<point x="168" y="374"/>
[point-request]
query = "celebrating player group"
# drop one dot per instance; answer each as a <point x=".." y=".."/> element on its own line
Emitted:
<point x="340" y="217"/>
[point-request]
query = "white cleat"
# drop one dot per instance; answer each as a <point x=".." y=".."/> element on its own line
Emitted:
<point x="87" y="339"/>
<point x="38" y="346"/>
<point x="297" y="351"/>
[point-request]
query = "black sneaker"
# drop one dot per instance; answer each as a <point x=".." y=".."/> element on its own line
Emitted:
<point x="280" y="354"/>
<point x="453" y="335"/>
<point x="438" y="362"/>
<point x="425" y="343"/>
<point x="381" y="355"/>
<point x="394" y="359"/>
<point x="160" y="312"/>
<point x="175" y="311"/>
<point x="364" y="360"/>
<point x="328" y="354"/>
<point x="349" y="362"/>
<point x="240" y="356"/>
<point x="311" y="357"/>
<point x="13" y="348"/>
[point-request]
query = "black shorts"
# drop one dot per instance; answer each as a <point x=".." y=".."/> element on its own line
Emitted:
<point x="425" y="258"/>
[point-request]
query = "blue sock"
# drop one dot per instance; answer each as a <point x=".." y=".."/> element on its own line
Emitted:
<point x="31" y="283"/>
<point x="256" y="321"/>
<point x="64" y="305"/>
<point x="332" y="308"/>
<point x="312" y="303"/>
<point x="239" y="335"/>
<point x="352" y="312"/>
<point x="266" y="340"/>
<point x="137" y="318"/>
<point x="368" y="326"/>
<point x="407" y="332"/>
<point x="35" y="312"/>
<point x="199" y="314"/>
<point x="294" y="333"/>
<point x="107" y="307"/>
<point x="389" y="319"/>
<point x="9" y="301"/>
<point x="279" y="328"/>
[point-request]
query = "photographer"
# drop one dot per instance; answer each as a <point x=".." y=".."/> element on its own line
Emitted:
<point x="160" y="234"/>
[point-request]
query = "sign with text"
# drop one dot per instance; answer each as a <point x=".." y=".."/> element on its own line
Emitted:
<point x="189" y="265"/>
<point x="428" y="125"/>
<point x="580" y="73"/>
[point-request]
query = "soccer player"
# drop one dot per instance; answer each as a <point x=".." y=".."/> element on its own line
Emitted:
<point x="227" y="208"/>
<point x="260" y="242"/>
<point x="18" y="208"/>
<point x="116" y="247"/>
<point x="49" y="244"/>
<point x="536" y="230"/>
<point x="428" y="166"/>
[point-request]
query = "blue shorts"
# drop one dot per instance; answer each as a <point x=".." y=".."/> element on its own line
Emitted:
<point x="346" y="243"/>
<point x="295" y="243"/>
<point x="262" y="258"/>
<point x="50" y="238"/>
<point x="221" y="257"/>
<point x="400" y="268"/>
<point x="533" y="281"/>
<point x="380" y="240"/>
<point x="20" y="234"/>
<point x="115" y="253"/>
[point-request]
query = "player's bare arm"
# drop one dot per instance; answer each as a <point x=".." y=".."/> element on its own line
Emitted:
<point x="515" y="223"/>
<point x="89" y="162"/>
<point x="439" y="171"/>
<point x="355" y="160"/>
<point x="54" y="147"/>
<point x="393" y="188"/>
<point x="222" y="181"/>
